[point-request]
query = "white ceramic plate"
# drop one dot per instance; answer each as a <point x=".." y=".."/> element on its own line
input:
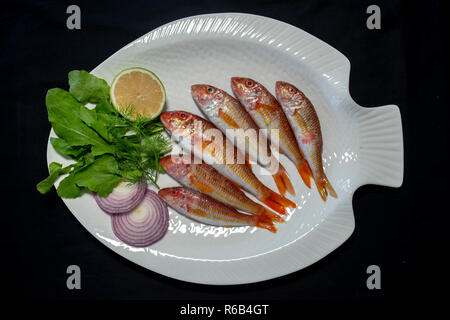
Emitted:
<point x="361" y="146"/>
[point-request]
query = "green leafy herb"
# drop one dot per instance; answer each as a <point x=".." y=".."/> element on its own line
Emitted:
<point x="102" y="175"/>
<point x="56" y="170"/>
<point x="99" y="122"/>
<point x="86" y="87"/>
<point x="108" y="147"/>
<point x="105" y="107"/>
<point x="69" y="189"/>
<point x="64" y="112"/>
<point x="62" y="147"/>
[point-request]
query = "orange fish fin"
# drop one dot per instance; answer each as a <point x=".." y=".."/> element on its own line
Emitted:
<point x="282" y="181"/>
<point x="264" y="222"/>
<point x="330" y="189"/>
<point x="322" y="191"/>
<point x="277" y="202"/>
<point x="275" y="206"/>
<point x="279" y="182"/>
<point x="305" y="172"/>
<point x="288" y="184"/>
<point x="271" y="215"/>
<point x="324" y="187"/>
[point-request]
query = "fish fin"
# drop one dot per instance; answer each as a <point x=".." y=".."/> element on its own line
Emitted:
<point x="282" y="181"/>
<point x="305" y="172"/>
<point x="322" y="191"/>
<point x="279" y="182"/>
<point x="324" y="187"/>
<point x="271" y="215"/>
<point x="275" y="206"/>
<point x="277" y="202"/>
<point x="330" y="190"/>
<point x="264" y="222"/>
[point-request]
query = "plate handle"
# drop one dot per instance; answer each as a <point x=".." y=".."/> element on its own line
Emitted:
<point x="381" y="146"/>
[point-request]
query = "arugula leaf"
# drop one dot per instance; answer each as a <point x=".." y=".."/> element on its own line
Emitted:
<point x="86" y="87"/>
<point x="56" y="170"/>
<point x="86" y="160"/>
<point x="54" y="167"/>
<point x="62" y="147"/>
<point x="91" y="118"/>
<point x="64" y="114"/>
<point x="86" y="169"/>
<point x="69" y="189"/>
<point x="102" y="176"/>
<point x="45" y="185"/>
<point x="106" y="107"/>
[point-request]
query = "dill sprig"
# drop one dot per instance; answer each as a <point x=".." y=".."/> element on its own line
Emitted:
<point x="140" y="146"/>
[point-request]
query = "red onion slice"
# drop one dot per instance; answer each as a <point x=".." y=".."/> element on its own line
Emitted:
<point x="145" y="225"/>
<point x="124" y="198"/>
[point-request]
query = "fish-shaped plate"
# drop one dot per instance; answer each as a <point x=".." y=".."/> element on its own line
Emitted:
<point x="361" y="146"/>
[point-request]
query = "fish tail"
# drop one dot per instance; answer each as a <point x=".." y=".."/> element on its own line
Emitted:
<point x="305" y="172"/>
<point x="269" y="214"/>
<point x="324" y="187"/>
<point x="275" y="206"/>
<point x="277" y="202"/>
<point x="264" y="222"/>
<point x="282" y="181"/>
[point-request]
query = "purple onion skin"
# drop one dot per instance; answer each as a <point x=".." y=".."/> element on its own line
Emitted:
<point x="148" y="231"/>
<point x="113" y="204"/>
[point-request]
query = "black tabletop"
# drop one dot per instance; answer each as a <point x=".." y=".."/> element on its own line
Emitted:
<point x="401" y="230"/>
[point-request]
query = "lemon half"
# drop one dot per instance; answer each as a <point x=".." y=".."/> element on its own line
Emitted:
<point x="138" y="91"/>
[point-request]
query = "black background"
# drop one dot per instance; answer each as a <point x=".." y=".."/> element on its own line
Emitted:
<point x="401" y="230"/>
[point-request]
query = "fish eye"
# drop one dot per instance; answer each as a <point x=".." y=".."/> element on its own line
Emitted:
<point x="174" y="192"/>
<point x="183" y="115"/>
<point x="291" y="90"/>
<point x="210" y="90"/>
<point x="249" y="83"/>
